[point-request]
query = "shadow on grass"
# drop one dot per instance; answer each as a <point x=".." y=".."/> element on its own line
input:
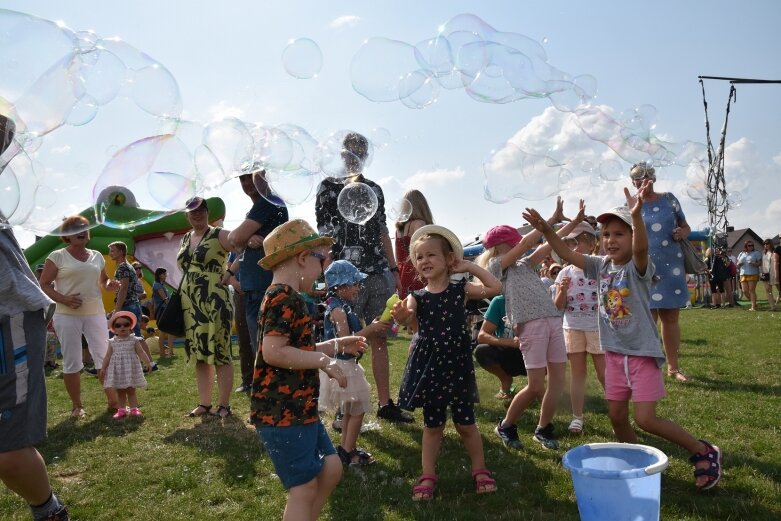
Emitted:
<point x="229" y="438"/>
<point x="384" y="490"/>
<point x="71" y="432"/>
<point x="727" y="386"/>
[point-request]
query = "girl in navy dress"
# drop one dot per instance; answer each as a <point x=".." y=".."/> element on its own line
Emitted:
<point x="439" y="372"/>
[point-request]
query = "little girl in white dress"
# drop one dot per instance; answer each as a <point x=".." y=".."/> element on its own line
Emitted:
<point x="122" y="369"/>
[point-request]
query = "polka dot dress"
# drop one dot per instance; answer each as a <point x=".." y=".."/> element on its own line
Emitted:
<point x="439" y="369"/>
<point x="668" y="290"/>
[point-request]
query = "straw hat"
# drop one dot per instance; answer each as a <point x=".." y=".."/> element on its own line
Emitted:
<point x="122" y="314"/>
<point x="290" y="239"/>
<point x="435" y="229"/>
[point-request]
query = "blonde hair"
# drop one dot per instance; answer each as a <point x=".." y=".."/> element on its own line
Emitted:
<point x="484" y="258"/>
<point x="446" y="247"/>
<point x="420" y="210"/>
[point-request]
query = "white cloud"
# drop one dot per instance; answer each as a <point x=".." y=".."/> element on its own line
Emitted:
<point x="344" y="21"/>
<point x="434" y="178"/>
<point x="777" y="160"/>
<point x="223" y="109"/>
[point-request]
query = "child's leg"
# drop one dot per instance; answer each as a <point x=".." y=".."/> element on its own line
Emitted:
<point x="132" y="399"/>
<point x="432" y="441"/>
<point x="599" y="367"/>
<point x="556" y="374"/>
<point x="304" y="502"/>
<point x="473" y="443"/>
<point x="535" y="388"/>
<point x="646" y="418"/>
<point x="618" y="411"/>
<point x="577" y="382"/>
<point x="351" y="429"/>
<point x="121" y="398"/>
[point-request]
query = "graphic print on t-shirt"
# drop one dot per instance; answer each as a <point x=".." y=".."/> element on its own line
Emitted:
<point x="614" y="290"/>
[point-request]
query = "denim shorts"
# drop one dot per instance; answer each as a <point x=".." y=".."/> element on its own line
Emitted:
<point x="297" y="452"/>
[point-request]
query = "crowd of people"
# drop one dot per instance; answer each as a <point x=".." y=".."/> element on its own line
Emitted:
<point x="618" y="276"/>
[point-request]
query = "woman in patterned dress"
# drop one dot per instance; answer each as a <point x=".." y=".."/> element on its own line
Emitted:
<point x="666" y="225"/>
<point x="207" y="308"/>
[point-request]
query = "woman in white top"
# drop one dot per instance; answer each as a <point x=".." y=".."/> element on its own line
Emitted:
<point x="78" y="275"/>
<point x="768" y="273"/>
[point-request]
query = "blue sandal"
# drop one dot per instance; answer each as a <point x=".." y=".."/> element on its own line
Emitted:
<point x="714" y="471"/>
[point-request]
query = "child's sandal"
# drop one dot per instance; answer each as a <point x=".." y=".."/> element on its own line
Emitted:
<point x="714" y="471"/>
<point x="484" y="483"/>
<point x="421" y="492"/>
<point x="364" y="458"/>
<point x="576" y="425"/>
<point x="200" y="410"/>
<point x="223" y="411"/>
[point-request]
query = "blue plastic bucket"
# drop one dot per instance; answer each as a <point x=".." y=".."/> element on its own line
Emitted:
<point x="616" y="481"/>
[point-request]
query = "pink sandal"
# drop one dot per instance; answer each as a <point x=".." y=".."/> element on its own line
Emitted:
<point x="421" y="492"/>
<point x="484" y="483"/>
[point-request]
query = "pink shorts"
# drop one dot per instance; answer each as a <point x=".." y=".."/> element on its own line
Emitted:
<point x="638" y="378"/>
<point x="542" y="342"/>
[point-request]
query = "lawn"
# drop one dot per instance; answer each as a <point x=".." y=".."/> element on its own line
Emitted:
<point x="168" y="467"/>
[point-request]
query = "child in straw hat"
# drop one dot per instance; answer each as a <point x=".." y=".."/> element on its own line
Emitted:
<point x="286" y="384"/>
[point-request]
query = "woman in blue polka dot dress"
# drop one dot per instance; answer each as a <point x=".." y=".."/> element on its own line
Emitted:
<point x="666" y="225"/>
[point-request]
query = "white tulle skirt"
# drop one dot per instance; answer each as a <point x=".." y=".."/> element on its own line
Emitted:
<point x="353" y="399"/>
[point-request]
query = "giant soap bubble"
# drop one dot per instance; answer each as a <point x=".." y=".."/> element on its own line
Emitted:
<point x="357" y="203"/>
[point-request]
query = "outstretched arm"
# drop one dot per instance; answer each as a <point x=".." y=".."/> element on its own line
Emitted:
<point x="544" y="249"/>
<point x="533" y="217"/>
<point x="532" y="238"/>
<point x="639" y="235"/>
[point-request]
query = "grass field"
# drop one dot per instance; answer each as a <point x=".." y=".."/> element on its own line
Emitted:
<point x="168" y="467"/>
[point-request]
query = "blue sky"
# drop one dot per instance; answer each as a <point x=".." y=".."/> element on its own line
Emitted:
<point x="226" y="59"/>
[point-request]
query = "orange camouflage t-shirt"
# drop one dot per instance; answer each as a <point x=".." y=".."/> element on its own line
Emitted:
<point x="284" y="397"/>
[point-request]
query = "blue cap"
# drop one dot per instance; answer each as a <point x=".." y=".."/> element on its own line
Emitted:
<point x="341" y="272"/>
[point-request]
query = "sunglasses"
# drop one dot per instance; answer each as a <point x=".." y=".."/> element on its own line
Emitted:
<point x="319" y="256"/>
<point x="121" y="324"/>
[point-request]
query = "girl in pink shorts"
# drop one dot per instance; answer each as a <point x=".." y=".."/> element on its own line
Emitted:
<point x="537" y="325"/>
<point x="627" y="331"/>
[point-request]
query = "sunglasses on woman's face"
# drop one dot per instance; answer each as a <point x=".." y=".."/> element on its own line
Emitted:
<point x="121" y="324"/>
<point x="319" y="256"/>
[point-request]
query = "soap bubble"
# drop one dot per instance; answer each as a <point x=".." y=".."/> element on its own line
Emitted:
<point x="611" y="170"/>
<point x="399" y="210"/>
<point x="357" y="203"/>
<point x="511" y="172"/>
<point x="64" y="88"/>
<point x="378" y="65"/>
<point x="302" y="58"/>
<point x="335" y="161"/>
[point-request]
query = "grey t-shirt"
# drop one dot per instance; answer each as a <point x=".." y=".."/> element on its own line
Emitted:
<point x="626" y="325"/>
<point x="526" y="297"/>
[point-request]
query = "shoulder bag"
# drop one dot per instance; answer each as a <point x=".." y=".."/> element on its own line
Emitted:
<point x="172" y="319"/>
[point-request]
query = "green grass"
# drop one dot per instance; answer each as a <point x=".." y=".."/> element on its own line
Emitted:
<point x="167" y="467"/>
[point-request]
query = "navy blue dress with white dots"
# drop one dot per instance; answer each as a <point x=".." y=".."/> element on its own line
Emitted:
<point x="439" y="370"/>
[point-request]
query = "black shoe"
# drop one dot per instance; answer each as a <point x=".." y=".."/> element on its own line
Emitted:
<point x="544" y="435"/>
<point x="509" y="436"/>
<point x="60" y="515"/>
<point x="91" y="370"/>
<point x="392" y="412"/>
<point x="154" y="367"/>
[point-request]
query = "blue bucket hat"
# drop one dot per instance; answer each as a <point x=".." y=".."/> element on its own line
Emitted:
<point x="341" y="272"/>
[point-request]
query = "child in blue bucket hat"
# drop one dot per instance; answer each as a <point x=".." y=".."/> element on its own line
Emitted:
<point x="353" y="401"/>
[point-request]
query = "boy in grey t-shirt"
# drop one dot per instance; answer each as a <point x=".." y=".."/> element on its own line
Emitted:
<point x="632" y="369"/>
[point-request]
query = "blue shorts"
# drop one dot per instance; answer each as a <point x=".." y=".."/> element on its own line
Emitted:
<point x="297" y="452"/>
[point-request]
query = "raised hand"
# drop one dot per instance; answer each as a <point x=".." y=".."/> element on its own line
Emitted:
<point x="534" y="218"/>
<point x="558" y="214"/>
